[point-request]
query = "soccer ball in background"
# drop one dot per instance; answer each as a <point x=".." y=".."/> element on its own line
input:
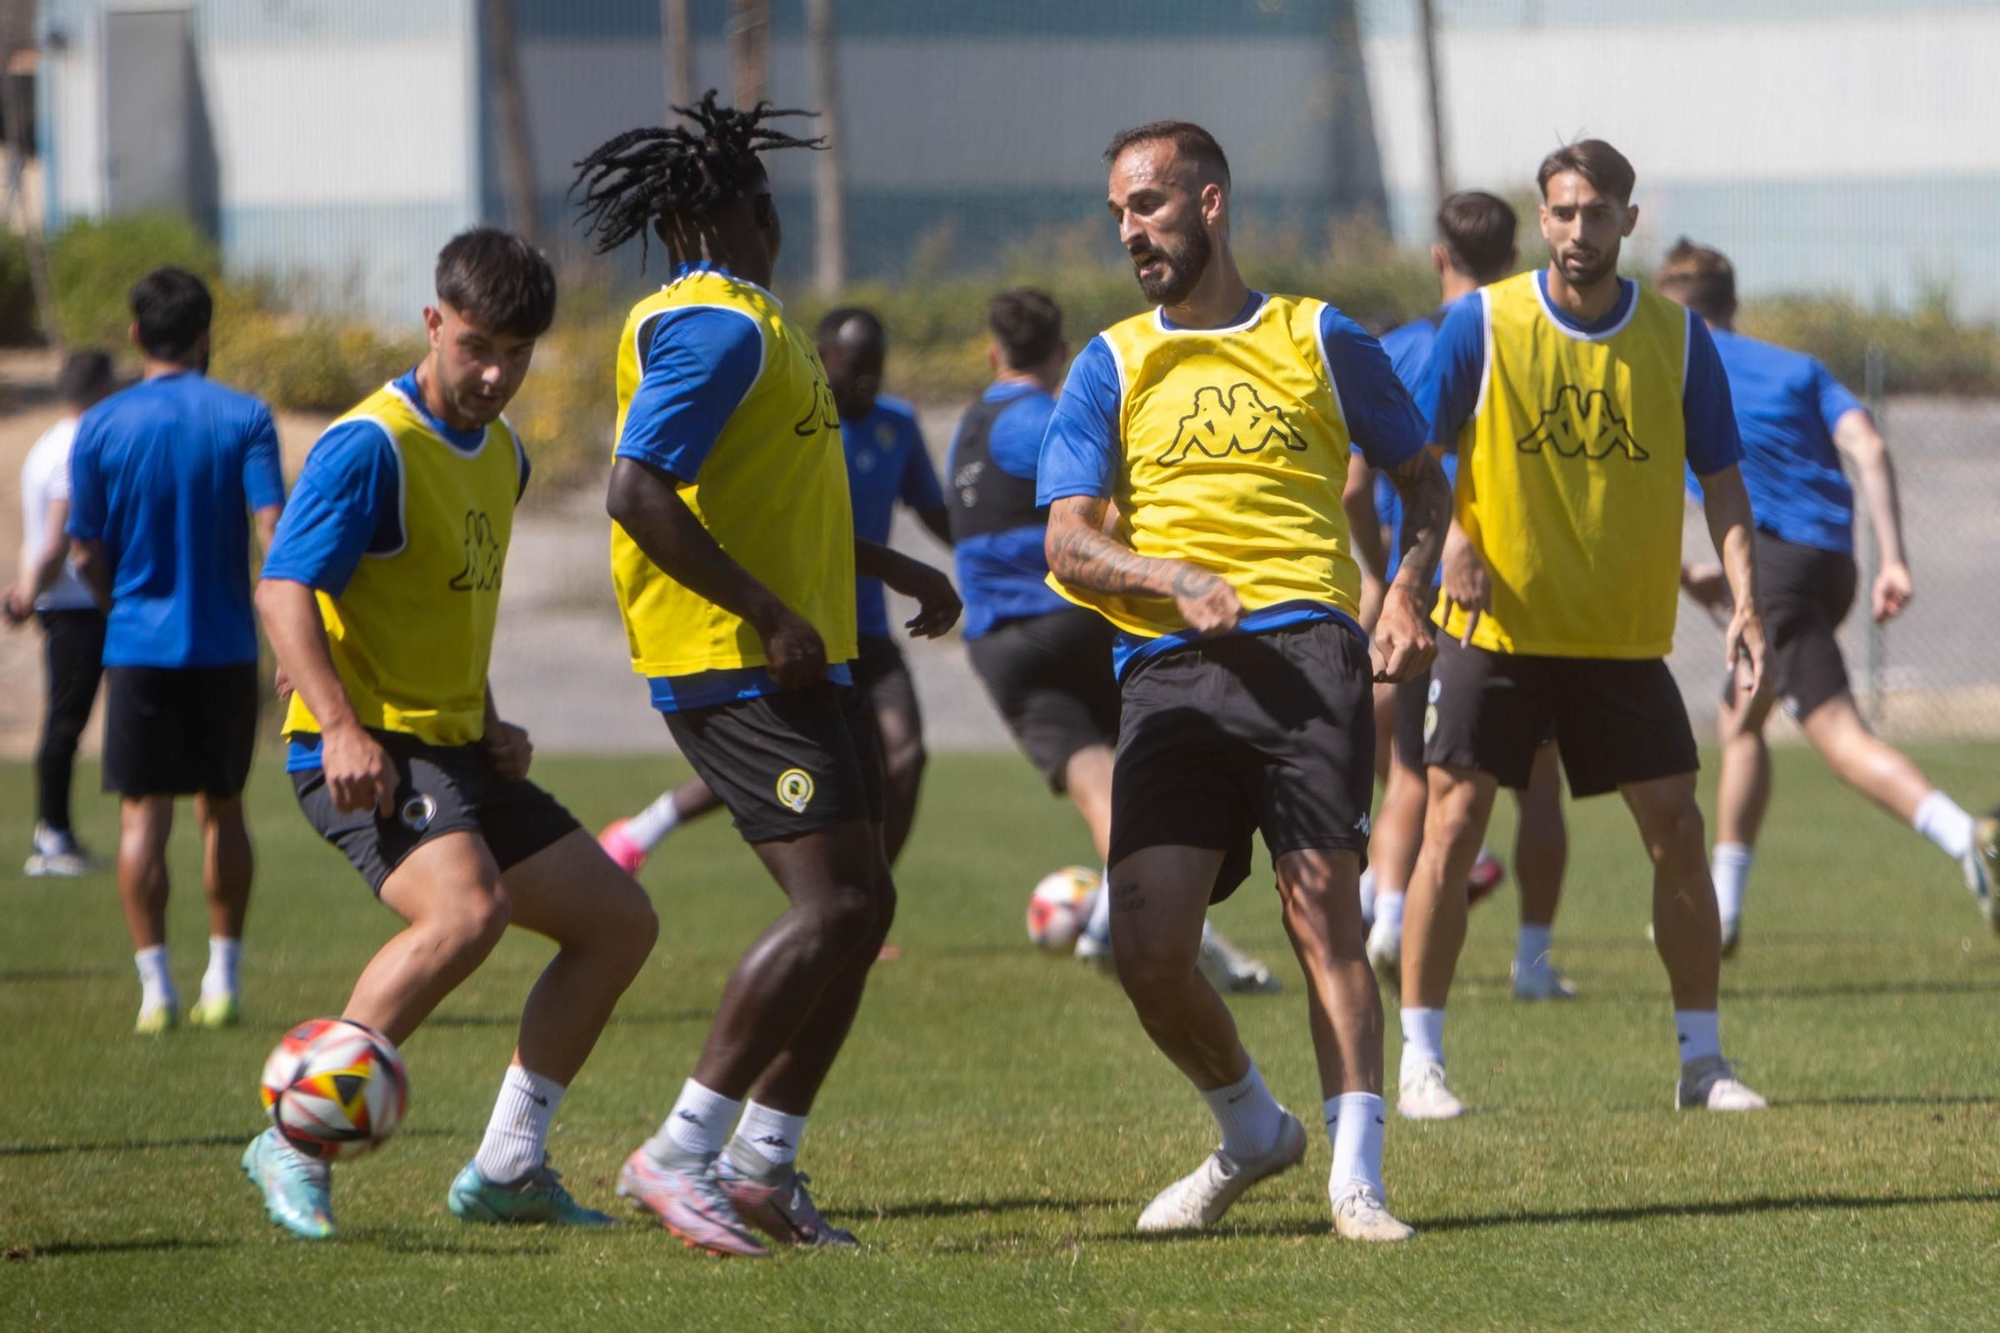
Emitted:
<point x="1059" y="908"/>
<point x="335" y="1089"/>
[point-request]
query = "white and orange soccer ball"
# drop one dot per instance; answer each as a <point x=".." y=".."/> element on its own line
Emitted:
<point x="335" y="1089"/>
<point x="1059" y="908"/>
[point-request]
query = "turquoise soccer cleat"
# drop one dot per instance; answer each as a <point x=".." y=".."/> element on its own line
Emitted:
<point x="298" y="1192"/>
<point x="537" y="1197"/>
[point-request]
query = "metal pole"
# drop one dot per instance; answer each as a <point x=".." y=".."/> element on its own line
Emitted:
<point x="516" y="153"/>
<point x="1874" y="380"/>
<point x="679" y="55"/>
<point x="749" y="51"/>
<point x="829" y="208"/>
<point x="1434" y="98"/>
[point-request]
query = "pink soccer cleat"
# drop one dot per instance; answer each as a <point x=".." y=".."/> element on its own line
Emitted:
<point x="689" y="1203"/>
<point x="1489" y="872"/>
<point x="621" y="847"/>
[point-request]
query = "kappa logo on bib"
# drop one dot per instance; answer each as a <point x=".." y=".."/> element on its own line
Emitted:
<point x="795" y="790"/>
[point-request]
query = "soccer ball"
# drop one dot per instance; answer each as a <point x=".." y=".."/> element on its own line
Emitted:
<point x="335" y="1088"/>
<point x="1060" y="906"/>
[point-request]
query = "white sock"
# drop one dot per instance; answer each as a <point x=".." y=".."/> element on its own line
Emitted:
<point x="1730" y="867"/>
<point x="1354" y="1128"/>
<point x="1700" y="1033"/>
<point x="697" y="1125"/>
<point x="223" y="953"/>
<point x="518" y="1134"/>
<point x="156" y="984"/>
<point x="655" y="822"/>
<point x="1940" y="819"/>
<point x="1423" y="1039"/>
<point x="774" y="1134"/>
<point x="1247" y="1113"/>
<point x="1531" y="947"/>
<point x="1368" y="896"/>
<point x="1389" y="912"/>
<point x="1099" y="925"/>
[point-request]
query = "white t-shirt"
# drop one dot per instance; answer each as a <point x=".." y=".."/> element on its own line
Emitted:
<point x="45" y="477"/>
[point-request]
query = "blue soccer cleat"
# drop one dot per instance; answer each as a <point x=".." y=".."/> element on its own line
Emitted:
<point x="298" y="1192"/>
<point x="538" y="1196"/>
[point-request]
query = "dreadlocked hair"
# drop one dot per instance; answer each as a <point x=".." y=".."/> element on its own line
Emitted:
<point x="680" y="172"/>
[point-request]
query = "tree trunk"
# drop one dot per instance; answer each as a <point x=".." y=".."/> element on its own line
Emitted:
<point x="678" y="57"/>
<point x="749" y="51"/>
<point x="1434" y="99"/>
<point x="517" y="161"/>
<point x="830" y="215"/>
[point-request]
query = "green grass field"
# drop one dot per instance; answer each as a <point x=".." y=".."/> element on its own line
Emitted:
<point x="999" y="1119"/>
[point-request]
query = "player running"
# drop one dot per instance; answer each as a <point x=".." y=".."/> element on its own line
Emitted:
<point x="1575" y="400"/>
<point x="734" y="560"/>
<point x="1797" y="422"/>
<point x="379" y="598"/>
<point x="166" y="479"/>
<point x="1220" y="425"/>
<point x="1474" y="246"/>
<point x="887" y="463"/>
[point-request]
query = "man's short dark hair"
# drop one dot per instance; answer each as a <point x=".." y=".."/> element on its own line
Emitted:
<point x="838" y="318"/>
<point x="1190" y="140"/>
<point x="85" y="377"/>
<point x="1027" y="324"/>
<point x="1594" y="160"/>
<point x="498" y="281"/>
<point x="1476" y="230"/>
<point x="172" y="308"/>
<point x="1700" y="278"/>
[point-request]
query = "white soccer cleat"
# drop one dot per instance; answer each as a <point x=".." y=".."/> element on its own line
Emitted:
<point x="1709" y="1084"/>
<point x="1360" y="1214"/>
<point x="1427" y="1096"/>
<point x="1201" y="1198"/>
<point x="1732" y="935"/>
<point x="1981" y="864"/>
<point x="1385" y="954"/>
<point x="1231" y="970"/>
<point x="1090" y="949"/>
<point x="1542" y="981"/>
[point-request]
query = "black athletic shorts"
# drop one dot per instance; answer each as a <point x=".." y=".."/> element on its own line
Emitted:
<point x="440" y="789"/>
<point x="786" y="763"/>
<point x="1806" y="593"/>
<point x="1051" y="678"/>
<point x="1617" y="721"/>
<point x="1412" y="698"/>
<point x="175" y="731"/>
<point x="1271" y="731"/>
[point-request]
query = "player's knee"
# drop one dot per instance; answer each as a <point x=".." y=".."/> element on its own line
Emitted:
<point x="851" y="916"/>
<point x="475" y="921"/>
<point x="1450" y="822"/>
<point x="1150" y="964"/>
<point x="1678" y="836"/>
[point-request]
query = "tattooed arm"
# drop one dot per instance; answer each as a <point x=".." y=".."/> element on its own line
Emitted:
<point x="1403" y="645"/>
<point x="1082" y="556"/>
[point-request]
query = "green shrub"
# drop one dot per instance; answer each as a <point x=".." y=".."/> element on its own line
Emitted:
<point x="19" y="325"/>
<point x="94" y="264"/>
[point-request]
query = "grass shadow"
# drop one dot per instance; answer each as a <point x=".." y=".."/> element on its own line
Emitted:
<point x="1861" y="990"/>
<point x="943" y="1208"/>
<point x="31" y="974"/>
<point x="63" y="1248"/>
<point x="236" y="1140"/>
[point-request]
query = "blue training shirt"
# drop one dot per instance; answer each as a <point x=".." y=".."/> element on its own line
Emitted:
<point x="1082" y="453"/>
<point x="1003" y="575"/>
<point x="164" y="475"/>
<point x="887" y="461"/>
<point x="1409" y="349"/>
<point x="1787" y="405"/>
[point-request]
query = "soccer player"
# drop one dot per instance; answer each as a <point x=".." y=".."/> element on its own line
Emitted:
<point x="1045" y="662"/>
<point x="734" y="560"/>
<point x="164" y="479"/>
<point x="1220" y="425"/>
<point x="1575" y="400"/>
<point x="887" y="463"/>
<point x="379" y="597"/>
<point x="48" y="590"/>
<point x="1474" y="246"/>
<point x="1797" y="422"/>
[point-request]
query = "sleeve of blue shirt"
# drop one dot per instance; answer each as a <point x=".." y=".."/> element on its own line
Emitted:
<point x="920" y="488"/>
<point x="263" y="478"/>
<point x="1835" y="399"/>
<point x="86" y="487"/>
<point x="699" y="364"/>
<point x="343" y="506"/>
<point x="1081" y="452"/>
<point x="1449" y="388"/>
<point x="1016" y="438"/>
<point x="1712" y="439"/>
<point x="1382" y="421"/>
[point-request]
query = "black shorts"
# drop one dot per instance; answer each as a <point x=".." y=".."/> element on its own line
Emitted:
<point x="175" y="731"/>
<point x="1806" y="593"/>
<point x="1617" y="721"/>
<point x="1272" y="731"/>
<point x="1413" y="697"/>
<point x="440" y="789"/>
<point x="1051" y="678"/>
<point x="786" y="763"/>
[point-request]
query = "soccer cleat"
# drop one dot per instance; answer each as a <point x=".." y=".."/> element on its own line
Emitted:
<point x="1385" y="954"/>
<point x="538" y="1196"/>
<point x="155" y="1019"/>
<point x="298" y="1192"/>
<point x="1360" y="1214"/>
<point x="1090" y="949"/>
<point x="1201" y="1198"/>
<point x="1489" y="872"/>
<point x="1709" y="1084"/>
<point x="215" y="1011"/>
<point x="774" y="1199"/>
<point x="621" y="847"/>
<point x="1981" y="864"/>
<point x="56" y="855"/>
<point x="1542" y="981"/>
<point x="1231" y="970"/>
<point x="1732" y="935"/>
<point x="1428" y="1096"/>
<point x="689" y="1203"/>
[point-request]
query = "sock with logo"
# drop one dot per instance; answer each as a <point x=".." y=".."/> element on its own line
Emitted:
<point x="156" y="983"/>
<point x="1700" y="1033"/>
<point x="772" y="1135"/>
<point x="1354" y="1128"/>
<point x="1531" y="948"/>
<point x="695" y="1127"/>
<point x="1729" y="865"/>
<point x="1389" y="913"/>
<point x="1249" y="1116"/>
<point x="1945" y="823"/>
<point x="1368" y="896"/>
<point x="1423" y="1041"/>
<point x="518" y="1134"/>
<point x="223" y="955"/>
<point x="1099" y="925"/>
<point x="655" y="822"/>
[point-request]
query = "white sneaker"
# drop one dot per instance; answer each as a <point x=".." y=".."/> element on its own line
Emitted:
<point x="1981" y="864"/>
<point x="1709" y="1084"/>
<point x="56" y="854"/>
<point x="1090" y="949"/>
<point x="1543" y="981"/>
<point x="1200" y="1199"/>
<point x="1231" y="970"/>
<point x="1385" y="954"/>
<point x="1427" y="1096"/>
<point x="1360" y="1214"/>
